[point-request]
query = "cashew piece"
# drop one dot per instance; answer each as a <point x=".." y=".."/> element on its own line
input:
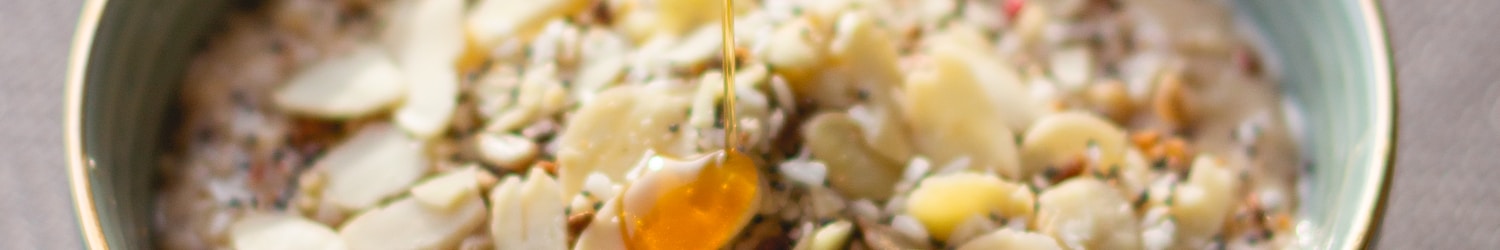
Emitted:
<point x="1201" y="204"/>
<point x="943" y="202"/>
<point x="1085" y="213"/>
<point x="854" y="169"/>
<point x="1062" y="136"/>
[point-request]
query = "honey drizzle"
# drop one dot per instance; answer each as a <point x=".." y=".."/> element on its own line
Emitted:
<point x="698" y="203"/>
<point x="731" y="137"/>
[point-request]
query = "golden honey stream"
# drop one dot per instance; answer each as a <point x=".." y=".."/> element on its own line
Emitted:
<point x="699" y="203"/>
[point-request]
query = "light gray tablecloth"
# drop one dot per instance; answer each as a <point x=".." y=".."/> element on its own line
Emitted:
<point x="1442" y="196"/>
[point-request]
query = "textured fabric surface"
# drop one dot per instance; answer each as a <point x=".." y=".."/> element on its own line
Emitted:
<point x="36" y="211"/>
<point x="1443" y="193"/>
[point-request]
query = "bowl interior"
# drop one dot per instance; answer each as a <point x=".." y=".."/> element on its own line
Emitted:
<point x="1332" y="54"/>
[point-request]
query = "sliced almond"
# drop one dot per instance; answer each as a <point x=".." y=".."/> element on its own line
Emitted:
<point x="427" y="52"/>
<point x="261" y="230"/>
<point x="492" y="22"/>
<point x="377" y="163"/>
<point x="348" y="86"/>
<point x="502" y="214"/>
<point x="597" y="76"/>
<point x="407" y="224"/>
<point x="1011" y="239"/>
<point x="546" y="224"/>
<point x="445" y="191"/>
<point x="697" y="47"/>
<point x="529" y="215"/>
<point x="612" y="133"/>
<point x="425" y="28"/>
<point x="430" y="101"/>
<point x="507" y="151"/>
<point x="541" y="94"/>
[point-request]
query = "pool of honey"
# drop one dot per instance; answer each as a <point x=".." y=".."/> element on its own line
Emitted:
<point x="698" y="203"/>
<point x="693" y="204"/>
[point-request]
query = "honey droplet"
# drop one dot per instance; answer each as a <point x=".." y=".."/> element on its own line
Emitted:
<point x="696" y="204"/>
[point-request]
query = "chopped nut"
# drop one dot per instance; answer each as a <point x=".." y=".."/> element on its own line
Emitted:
<point x="1146" y="139"/>
<point x="577" y="222"/>
<point x="1111" y="98"/>
<point x="1170" y="101"/>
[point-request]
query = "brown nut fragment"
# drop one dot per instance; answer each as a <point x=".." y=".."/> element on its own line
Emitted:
<point x="549" y="166"/>
<point x="1113" y="99"/>
<point x="1145" y="139"/>
<point x="577" y="222"/>
<point x="1171" y="101"/>
<point x="1175" y="151"/>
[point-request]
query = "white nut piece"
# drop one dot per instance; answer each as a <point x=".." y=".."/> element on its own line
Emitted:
<point x="541" y="94"/>
<point x="493" y="22"/>
<point x="445" y="191"/>
<point x="1201" y="204"/>
<point x="696" y="48"/>
<point x="942" y="202"/>
<point x="946" y="133"/>
<point x="1010" y="239"/>
<point x="598" y="75"/>
<point x="424" y="31"/>
<point x="1072" y="66"/>
<point x="348" y="86"/>
<point x="612" y="133"/>
<point x="884" y="125"/>
<point x="528" y="215"/>
<point x="507" y="151"/>
<point x="432" y="95"/>
<point x="603" y="232"/>
<point x="426" y="53"/>
<point x="854" y="169"/>
<point x="832" y="236"/>
<point x="1085" y="213"/>
<point x="797" y="51"/>
<point x="378" y="162"/>
<point x="267" y="231"/>
<point x="1059" y="137"/>
<point x="706" y="100"/>
<point x="407" y="224"/>
<point x="864" y="47"/>
<point x="997" y="77"/>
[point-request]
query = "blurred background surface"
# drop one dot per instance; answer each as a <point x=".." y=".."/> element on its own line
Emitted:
<point x="1444" y="191"/>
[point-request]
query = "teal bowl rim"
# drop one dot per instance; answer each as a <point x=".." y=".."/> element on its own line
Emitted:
<point x="1373" y="197"/>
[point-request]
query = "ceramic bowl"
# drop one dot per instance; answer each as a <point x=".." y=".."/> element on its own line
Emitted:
<point x="128" y="58"/>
